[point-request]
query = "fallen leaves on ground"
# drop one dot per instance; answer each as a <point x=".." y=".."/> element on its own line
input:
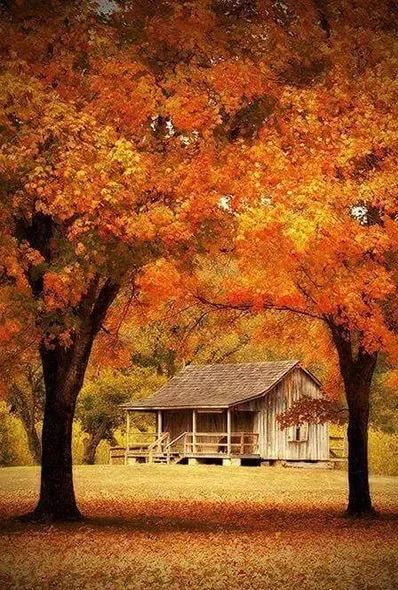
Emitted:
<point x="205" y="528"/>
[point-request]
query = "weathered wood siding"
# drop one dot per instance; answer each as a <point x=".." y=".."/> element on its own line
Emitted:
<point x="176" y="422"/>
<point x="211" y="422"/>
<point x="260" y="416"/>
<point x="243" y="421"/>
<point x="273" y="441"/>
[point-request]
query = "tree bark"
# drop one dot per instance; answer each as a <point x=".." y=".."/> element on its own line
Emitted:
<point x="91" y="445"/>
<point x="57" y="495"/>
<point x="359" y="500"/>
<point x="63" y="372"/>
<point x="357" y="372"/>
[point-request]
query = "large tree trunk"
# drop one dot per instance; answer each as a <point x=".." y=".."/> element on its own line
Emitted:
<point x="64" y="366"/>
<point x="359" y="501"/>
<point x="357" y="371"/>
<point x="57" y="496"/>
<point x="63" y="372"/>
<point x="63" y="380"/>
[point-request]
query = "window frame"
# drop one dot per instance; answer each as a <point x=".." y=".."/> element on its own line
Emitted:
<point x="302" y="430"/>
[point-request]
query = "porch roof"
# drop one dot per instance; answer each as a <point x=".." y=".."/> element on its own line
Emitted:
<point x="217" y="386"/>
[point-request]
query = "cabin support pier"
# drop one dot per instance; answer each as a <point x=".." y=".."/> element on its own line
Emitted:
<point x="231" y="462"/>
<point x="193" y="461"/>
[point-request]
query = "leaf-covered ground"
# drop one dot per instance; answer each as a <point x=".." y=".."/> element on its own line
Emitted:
<point x="177" y="528"/>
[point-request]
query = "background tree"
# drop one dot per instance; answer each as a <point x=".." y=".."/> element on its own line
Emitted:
<point x="26" y="400"/>
<point x="99" y="409"/>
<point x="384" y="400"/>
<point x="21" y="378"/>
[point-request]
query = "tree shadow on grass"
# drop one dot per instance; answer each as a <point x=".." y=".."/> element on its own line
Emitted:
<point x="268" y="522"/>
<point x="172" y="517"/>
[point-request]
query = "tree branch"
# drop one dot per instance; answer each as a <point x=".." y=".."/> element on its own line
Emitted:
<point x="321" y="9"/>
<point x="248" y="307"/>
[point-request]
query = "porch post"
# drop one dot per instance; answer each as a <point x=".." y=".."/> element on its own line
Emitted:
<point x="194" y="431"/>
<point x="127" y="435"/>
<point x="228" y="431"/>
<point x="159" y="427"/>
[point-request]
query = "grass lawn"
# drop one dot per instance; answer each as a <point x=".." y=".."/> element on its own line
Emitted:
<point x="178" y="527"/>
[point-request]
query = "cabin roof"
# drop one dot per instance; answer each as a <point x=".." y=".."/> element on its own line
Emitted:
<point x="218" y="386"/>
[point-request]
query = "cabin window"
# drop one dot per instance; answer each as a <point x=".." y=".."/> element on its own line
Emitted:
<point x="298" y="432"/>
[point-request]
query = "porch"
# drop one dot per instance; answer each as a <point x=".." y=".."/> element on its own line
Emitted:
<point x="192" y="436"/>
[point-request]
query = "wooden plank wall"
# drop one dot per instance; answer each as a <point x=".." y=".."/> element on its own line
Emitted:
<point x="274" y="442"/>
<point x="212" y="422"/>
<point x="176" y="422"/>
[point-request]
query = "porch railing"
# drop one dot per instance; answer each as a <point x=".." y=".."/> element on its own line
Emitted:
<point x="140" y="441"/>
<point x="159" y="446"/>
<point x="149" y="445"/>
<point x="147" y="442"/>
<point x="214" y="443"/>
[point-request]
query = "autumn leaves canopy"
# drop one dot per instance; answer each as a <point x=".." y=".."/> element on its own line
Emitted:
<point x="141" y="132"/>
<point x="141" y="140"/>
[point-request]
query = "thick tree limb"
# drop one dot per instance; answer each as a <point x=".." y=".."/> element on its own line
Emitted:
<point x="266" y="307"/>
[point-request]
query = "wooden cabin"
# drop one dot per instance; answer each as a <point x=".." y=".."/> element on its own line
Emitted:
<point x="227" y="414"/>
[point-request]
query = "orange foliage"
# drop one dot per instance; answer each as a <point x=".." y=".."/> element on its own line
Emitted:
<point x="129" y="130"/>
